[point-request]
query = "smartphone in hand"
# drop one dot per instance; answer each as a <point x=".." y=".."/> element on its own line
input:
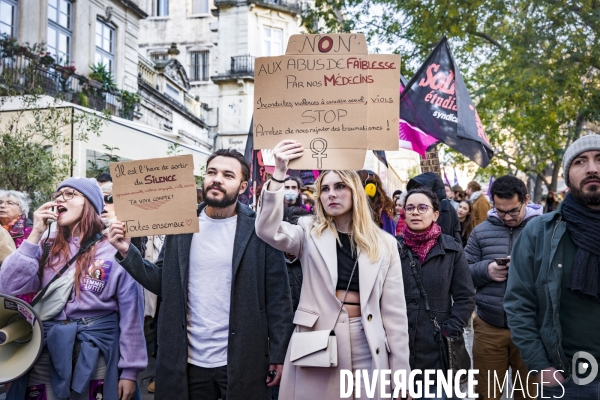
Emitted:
<point x="502" y="261"/>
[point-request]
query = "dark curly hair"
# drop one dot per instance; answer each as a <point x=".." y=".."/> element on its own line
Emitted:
<point x="381" y="201"/>
<point x="435" y="203"/>
<point x="507" y="186"/>
<point x="232" y="153"/>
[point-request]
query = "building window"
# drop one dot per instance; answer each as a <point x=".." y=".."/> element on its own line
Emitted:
<point x="172" y="92"/>
<point x="199" y="65"/>
<point x="161" y="8"/>
<point x="105" y="45"/>
<point x="159" y="56"/>
<point x="200" y="7"/>
<point x="60" y="30"/>
<point x="8" y="17"/>
<point x="272" y="41"/>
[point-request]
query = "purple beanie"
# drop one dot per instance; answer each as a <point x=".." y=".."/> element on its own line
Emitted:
<point x="88" y="187"/>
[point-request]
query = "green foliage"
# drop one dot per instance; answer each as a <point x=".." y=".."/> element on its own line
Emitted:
<point x="101" y="164"/>
<point x="83" y="100"/>
<point x="173" y="149"/>
<point x="200" y="178"/>
<point x="128" y="102"/>
<point x="532" y="67"/>
<point x="35" y="139"/>
<point x="34" y="143"/>
<point x="414" y="171"/>
<point x="102" y="74"/>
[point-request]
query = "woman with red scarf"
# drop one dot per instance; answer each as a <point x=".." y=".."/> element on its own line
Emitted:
<point x="443" y="270"/>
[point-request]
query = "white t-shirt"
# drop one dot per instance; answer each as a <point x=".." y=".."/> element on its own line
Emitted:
<point x="209" y="291"/>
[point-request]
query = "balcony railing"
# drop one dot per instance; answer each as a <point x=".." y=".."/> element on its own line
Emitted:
<point x="293" y="6"/>
<point x="240" y="67"/>
<point x="290" y="6"/>
<point x="24" y="72"/>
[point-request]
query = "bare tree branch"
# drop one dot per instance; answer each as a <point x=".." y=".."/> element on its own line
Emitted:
<point x="489" y="39"/>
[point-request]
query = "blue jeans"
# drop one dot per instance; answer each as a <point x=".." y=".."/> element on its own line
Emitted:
<point x="433" y="390"/>
<point x="569" y="390"/>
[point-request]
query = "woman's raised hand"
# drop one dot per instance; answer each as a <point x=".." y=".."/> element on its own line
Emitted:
<point x="285" y="151"/>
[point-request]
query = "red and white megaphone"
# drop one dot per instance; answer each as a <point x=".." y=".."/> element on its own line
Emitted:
<point x="21" y="338"/>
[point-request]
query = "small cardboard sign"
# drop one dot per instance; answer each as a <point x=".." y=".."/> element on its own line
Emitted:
<point x="156" y="196"/>
<point x="332" y="96"/>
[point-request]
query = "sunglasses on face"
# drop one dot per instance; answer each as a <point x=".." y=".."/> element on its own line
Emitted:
<point x="108" y="199"/>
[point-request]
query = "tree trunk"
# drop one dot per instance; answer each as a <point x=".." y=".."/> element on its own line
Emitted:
<point x="538" y="189"/>
<point x="555" y="170"/>
<point x="531" y="185"/>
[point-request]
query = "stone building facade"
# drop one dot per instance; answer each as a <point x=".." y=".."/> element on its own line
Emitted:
<point x="217" y="41"/>
<point x="82" y="33"/>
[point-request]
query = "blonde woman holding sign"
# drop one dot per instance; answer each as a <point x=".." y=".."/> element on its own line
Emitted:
<point x="352" y="284"/>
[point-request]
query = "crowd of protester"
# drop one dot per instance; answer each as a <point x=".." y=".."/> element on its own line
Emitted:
<point x="391" y="276"/>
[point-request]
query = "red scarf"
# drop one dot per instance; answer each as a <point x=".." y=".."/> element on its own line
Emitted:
<point x="421" y="242"/>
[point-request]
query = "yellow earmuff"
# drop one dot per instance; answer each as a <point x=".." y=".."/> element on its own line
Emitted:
<point x="370" y="188"/>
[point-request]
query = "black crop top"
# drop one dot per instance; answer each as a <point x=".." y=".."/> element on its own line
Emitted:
<point x="345" y="263"/>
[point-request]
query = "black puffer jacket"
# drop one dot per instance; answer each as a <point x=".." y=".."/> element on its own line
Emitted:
<point x="490" y="240"/>
<point x="448" y="219"/>
<point x="446" y="280"/>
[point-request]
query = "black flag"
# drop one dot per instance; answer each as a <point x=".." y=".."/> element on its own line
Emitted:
<point x="380" y="154"/>
<point x="258" y="173"/>
<point x="437" y="102"/>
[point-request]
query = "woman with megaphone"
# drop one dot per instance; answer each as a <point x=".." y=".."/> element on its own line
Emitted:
<point x="91" y="308"/>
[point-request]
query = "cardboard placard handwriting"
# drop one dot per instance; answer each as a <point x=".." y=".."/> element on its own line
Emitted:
<point x="329" y="94"/>
<point x="156" y="196"/>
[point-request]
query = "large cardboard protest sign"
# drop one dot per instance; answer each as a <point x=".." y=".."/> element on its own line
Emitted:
<point x="156" y="196"/>
<point x="328" y="93"/>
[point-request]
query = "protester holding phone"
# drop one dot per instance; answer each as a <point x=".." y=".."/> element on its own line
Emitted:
<point x="99" y="323"/>
<point x="487" y="252"/>
<point x="503" y="261"/>
<point x="436" y="280"/>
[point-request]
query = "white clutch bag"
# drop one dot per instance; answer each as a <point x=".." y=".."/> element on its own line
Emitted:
<point x="317" y="348"/>
<point x="314" y="349"/>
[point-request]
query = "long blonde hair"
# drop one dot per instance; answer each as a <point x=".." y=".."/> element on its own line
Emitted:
<point x="366" y="234"/>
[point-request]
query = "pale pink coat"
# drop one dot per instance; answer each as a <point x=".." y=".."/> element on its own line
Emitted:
<point x="382" y="301"/>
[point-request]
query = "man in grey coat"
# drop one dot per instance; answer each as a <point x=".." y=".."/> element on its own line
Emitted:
<point x="226" y="311"/>
<point x="487" y="252"/>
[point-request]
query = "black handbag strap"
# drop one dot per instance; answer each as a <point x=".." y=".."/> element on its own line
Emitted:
<point x="84" y="247"/>
<point x="417" y="275"/>
<point x="345" y="294"/>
